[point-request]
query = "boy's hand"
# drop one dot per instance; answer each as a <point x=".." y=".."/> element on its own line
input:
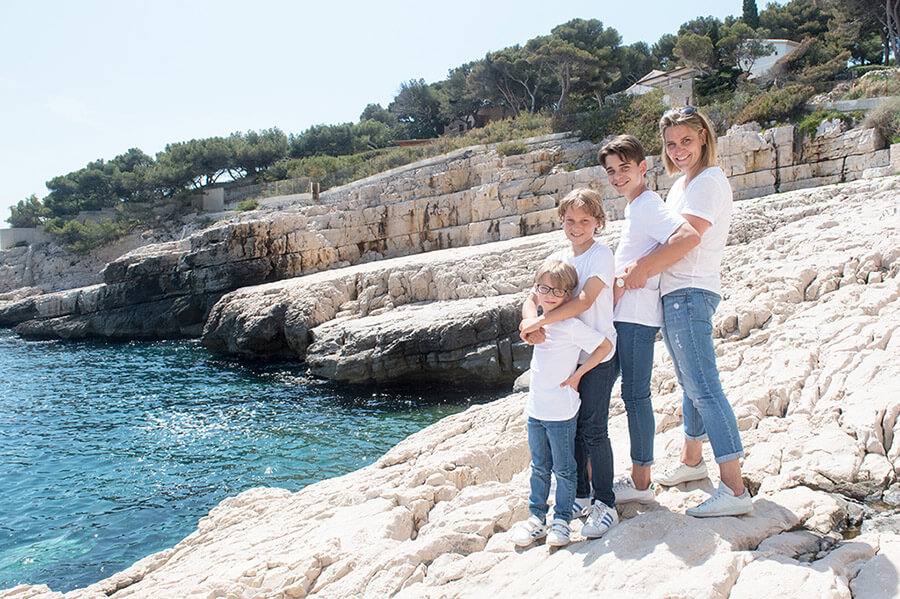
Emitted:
<point x="572" y="381"/>
<point x="634" y="277"/>
<point x="539" y="336"/>
<point x="530" y="325"/>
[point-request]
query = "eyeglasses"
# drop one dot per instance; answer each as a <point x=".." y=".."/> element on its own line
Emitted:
<point x="686" y="111"/>
<point x="545" y="289"/>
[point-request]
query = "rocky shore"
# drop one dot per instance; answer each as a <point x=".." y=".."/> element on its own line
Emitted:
<point x="808" y="344"/>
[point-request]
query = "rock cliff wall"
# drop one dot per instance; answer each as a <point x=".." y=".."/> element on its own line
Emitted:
<point x="468" y="197"/>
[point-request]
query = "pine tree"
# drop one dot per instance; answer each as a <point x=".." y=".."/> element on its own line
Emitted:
<point x="751" y="15"/>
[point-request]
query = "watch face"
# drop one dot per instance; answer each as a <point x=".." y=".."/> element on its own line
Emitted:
<point x="620" y="283"/>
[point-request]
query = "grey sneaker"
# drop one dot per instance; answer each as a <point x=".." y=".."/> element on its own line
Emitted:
<point x="600" y="520"/>
<point x="528" y="531"/>
<point x="723" y="503"/>
<point x="682" y="474"/>
<point x="626" y="491"/>
<point x="581" y="507"/>
<point x="559" y="533"/>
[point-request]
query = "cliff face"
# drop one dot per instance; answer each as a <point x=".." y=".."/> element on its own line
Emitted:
<point x="808" y="345"/>
<point x="469" y="197"/>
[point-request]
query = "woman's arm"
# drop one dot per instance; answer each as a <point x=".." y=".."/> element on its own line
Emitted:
<point x="684" y="239"/>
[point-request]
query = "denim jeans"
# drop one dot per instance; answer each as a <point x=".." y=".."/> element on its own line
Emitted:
<point x="634" y="352"/>
<point x="592" y="436"/>
<point x="687" y="331"/>
<point x="552" y="446"/>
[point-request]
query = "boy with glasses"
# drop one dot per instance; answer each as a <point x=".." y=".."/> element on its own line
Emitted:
<point x="553" y="404"/>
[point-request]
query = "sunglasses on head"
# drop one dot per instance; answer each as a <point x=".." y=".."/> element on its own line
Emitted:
<point x="686" y="111"/>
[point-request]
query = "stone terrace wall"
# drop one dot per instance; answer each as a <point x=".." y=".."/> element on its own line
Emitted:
<point x="468" y="197"/>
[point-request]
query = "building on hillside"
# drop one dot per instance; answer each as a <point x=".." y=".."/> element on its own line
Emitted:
<point x="764" y="64"/>
<point x="677" y="85"/>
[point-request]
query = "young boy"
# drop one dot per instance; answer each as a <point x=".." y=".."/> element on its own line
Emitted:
<point x="582" y="213"/>
<point x="553" y="403"/>
<point x="649" y="223"/>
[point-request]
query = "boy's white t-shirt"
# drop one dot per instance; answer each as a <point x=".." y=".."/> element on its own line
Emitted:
<point x="597" y="261"/>
<point x="552" y="362"/>
<point x="648" y="224"/>
<point x="708" y="196"/>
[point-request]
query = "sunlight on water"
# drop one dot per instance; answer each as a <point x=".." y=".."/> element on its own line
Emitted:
<point x="111" y="452"/>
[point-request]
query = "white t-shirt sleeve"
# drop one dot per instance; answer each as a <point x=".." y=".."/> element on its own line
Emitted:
<point x="658" y="220"/>
<point x="602" y="265"/>
<point x="585" y="337"/>
<point x="704" y="199"/>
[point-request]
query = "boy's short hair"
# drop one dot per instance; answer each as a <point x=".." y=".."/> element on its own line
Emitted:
<point x="588" y="200"/>
<point x="626" y="147"/>
<point x="561" y="273"/>
<point x="697" y="121"/>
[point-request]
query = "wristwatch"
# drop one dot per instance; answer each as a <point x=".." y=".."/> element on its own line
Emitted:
<point x="620" y="282"/>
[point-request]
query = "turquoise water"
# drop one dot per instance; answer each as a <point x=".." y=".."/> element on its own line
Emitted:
<point x="111" y="452"/>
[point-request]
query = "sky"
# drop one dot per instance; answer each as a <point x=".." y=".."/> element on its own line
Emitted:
<point x="82" y="80"/>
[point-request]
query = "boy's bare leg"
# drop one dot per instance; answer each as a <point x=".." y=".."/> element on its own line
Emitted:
<point x="692" y="454"/>
<point x="640" y="475"/>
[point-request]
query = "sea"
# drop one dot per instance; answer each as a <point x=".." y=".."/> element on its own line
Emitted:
<point x="110" y="452"/>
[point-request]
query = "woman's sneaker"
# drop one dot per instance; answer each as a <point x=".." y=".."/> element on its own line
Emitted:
<point x="683" y="474"/>
<point x="559" y="533"/>
<point x="600" y="520"/>
<point x="528" y="531"/>
<point x="626" y="492"/>
<point x="723" y="503"/>
<point x="581" y="507"/>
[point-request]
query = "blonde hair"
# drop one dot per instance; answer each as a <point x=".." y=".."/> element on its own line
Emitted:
<point x="561" y="273"/>
<point x="588" y="200"/>
<point x="697" y="121"/>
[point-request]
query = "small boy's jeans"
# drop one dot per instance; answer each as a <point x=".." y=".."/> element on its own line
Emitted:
<point x="552" y="446"/>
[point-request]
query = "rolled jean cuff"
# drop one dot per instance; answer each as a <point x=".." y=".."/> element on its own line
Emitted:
<point x="702" y="437"/>
<point x="731" y="456"/>
<point x="642" y="464"/>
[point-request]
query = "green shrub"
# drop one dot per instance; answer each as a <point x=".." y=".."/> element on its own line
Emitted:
<point x="512" y="148"/>
<point x="18" y="244"/>
<point x="885" y="118"/>
<point x="524" y="125"/>
<point x="875" y="85"/>
<point x="247" y="205"/>
<point x="810" y="124"/>
<point x="83" y="237"/>
<point x="777" y="104"/>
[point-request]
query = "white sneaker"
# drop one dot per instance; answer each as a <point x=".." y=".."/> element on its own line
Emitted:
<point x="682" y="474"/>
<point x="528" y="531"/>
<point x="626" y="491"/>
<point x="559" y="533"/>
<point x="600" y="520"/>
<point x="723" y="503"/>
<point x="581" y="507"/>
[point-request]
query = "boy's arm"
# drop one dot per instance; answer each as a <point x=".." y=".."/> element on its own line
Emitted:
<point x="600" y="352"/>
<point x="573" y="307"/>
<point x="530" y="312"/>
<point x="684" y="239"/>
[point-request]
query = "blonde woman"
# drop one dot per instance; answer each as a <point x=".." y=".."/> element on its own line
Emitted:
<point x="691" y="291"/>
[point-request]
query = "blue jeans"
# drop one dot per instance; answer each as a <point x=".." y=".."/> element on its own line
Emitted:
<point x="592" y="436"/>
<point x="552" y="446"/>
<point x="634" y="353"/>
<point x="688" y="335"/>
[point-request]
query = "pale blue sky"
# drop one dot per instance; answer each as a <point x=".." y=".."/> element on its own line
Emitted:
<point x="82" y="80"/>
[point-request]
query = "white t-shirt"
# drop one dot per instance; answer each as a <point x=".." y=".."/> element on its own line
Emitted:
<point x="598" y="262"/>
<point x="648" y="224"/>
<point x="708" y="196"/>
<point x="552" y="362"/>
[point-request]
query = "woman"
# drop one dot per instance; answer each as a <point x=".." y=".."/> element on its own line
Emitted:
<point x="691" y="290"/>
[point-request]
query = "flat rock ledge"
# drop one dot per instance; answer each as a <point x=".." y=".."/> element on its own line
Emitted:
<point x="809" y="353"/>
